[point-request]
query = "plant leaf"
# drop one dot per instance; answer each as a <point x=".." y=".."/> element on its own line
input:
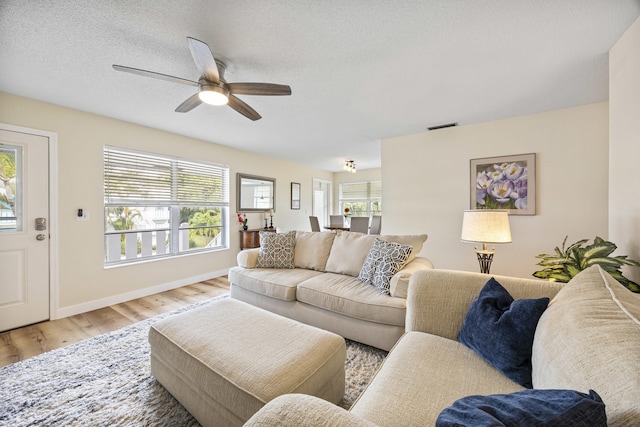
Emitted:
<point x="556" y="261"/>
<point x="572" y="270"/>
<point x="612" y="262"/>
<point x="576" y="245"/>
<point x="599" y="249"/>
<point x="547" y="272"/>
<point x="623" y="260"/>
<point x="560" y="277"/>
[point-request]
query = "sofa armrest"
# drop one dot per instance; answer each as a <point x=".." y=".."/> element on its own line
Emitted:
<point x="301" y="410"/>
<point x="248" y="258"/>
<point x="400" y="281"/>
<point x="438" y="300"/>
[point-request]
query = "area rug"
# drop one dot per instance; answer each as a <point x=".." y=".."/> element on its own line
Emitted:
<point x="106" y="381"/>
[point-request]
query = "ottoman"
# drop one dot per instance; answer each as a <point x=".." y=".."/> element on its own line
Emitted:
<point x="225" y="360"/>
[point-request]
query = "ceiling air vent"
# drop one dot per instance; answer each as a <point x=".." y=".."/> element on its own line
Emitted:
<point x="447" y="125"/>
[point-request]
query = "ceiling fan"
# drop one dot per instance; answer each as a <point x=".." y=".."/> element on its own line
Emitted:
<point x="212" y="87"/>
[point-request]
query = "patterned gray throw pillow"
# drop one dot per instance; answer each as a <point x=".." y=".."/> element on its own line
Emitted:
<point x="276" y="250"/>
<point x="371" y="262"/>
<point x="383" y="261"/>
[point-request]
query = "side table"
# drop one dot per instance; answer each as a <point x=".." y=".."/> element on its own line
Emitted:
<point x="251" y="238"/>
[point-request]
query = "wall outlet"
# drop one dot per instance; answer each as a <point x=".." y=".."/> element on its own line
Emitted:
<point x="82" y="215"/>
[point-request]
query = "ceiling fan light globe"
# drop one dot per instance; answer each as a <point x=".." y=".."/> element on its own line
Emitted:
<point x="213" y="95"/>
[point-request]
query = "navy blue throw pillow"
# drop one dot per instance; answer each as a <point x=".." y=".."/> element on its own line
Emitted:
<point x="500" y="329"/>
<point x="548" y="408"/>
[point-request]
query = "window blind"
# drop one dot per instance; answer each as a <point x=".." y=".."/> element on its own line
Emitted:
<point x="361" y="190"/>
<point x="145" y="179"/>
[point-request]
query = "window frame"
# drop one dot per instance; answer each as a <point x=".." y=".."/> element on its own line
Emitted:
<point x="161" y="182"/>
<point x="366" y="197"/>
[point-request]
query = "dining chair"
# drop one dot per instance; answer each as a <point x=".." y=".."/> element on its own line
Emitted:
<point x="336" y="221"/>
<point x="359" y="224"/>
<point x="315" y="225"/>
<point x="376" y="224"/>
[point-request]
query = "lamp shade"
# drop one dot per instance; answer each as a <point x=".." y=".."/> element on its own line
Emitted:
<point x="486" y="226"/>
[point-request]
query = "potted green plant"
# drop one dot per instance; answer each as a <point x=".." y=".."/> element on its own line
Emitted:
<point x="566" y="263"/>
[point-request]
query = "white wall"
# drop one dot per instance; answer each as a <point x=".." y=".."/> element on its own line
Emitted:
<point x="427" y="179"/>
<point x="83" y="282"/>
<point x="624" y="147"/>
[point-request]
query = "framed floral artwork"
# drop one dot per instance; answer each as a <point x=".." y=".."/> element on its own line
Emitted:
<point x="506" y="182"/>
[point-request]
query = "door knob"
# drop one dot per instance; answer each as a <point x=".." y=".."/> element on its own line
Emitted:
<point x="41" y="237"/>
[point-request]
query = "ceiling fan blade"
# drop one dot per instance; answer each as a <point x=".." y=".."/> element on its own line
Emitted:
<point x="154" y="75"/>
<point x="242" y="108"/>
<point x="268" y="89"/>
<point x="189" y="104"/>
<point x="204" y="59"/>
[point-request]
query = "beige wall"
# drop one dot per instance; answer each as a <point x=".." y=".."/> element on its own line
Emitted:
<point x="83" y="282"/>
<point x="426" y="184"/>
<point x="624" y="146"/>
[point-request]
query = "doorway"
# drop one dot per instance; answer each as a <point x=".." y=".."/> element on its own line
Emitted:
<point x="25" y="227"/>
<point x="321" y="205"/>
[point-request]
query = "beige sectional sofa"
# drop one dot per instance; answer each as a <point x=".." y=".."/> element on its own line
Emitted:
<point x="323" y="289"/>
<point x="587" y="339"/>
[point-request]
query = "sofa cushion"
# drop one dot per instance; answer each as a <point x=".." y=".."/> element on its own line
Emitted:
<point x="549" y="408"/>
<point x="276" y="249"/>
<point x="415" y="241"/>
<point x="383" y="261"/>
<point x="349" y="296"/>
<point x="501" y="330"/>
<point x="589" y="338"/>
<point x="273" y="282"/>
<point x="423" y="375"/>
<point x="312" y="249"/>
<point x="348" y="253"/>
<point x="399" y="284"/>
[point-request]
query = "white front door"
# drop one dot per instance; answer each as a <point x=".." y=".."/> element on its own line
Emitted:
<point x="24" y="229"/>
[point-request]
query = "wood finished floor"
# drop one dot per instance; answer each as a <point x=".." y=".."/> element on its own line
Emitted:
<point x="23" y="343"/>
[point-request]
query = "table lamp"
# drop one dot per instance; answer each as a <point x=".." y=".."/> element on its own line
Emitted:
<point x="485" y="226"/>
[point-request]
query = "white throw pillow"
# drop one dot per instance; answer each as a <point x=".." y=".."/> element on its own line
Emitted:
<point x="416" y="241"/>
<point x="348" y="253"/>
<point x="312" y="249"/>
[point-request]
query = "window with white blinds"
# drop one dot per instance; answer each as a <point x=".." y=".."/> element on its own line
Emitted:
<point x="362" y="198"/>
<point x="145" y="178"/>
<point x="159" y="206"/>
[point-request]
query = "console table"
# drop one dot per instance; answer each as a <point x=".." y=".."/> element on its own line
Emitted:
<point x="251" y="238"/>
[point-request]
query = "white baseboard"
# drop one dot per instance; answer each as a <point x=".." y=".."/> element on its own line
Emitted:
<point x="140" y="293"/>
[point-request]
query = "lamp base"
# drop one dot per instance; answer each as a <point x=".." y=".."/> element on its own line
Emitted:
<point x="484" y="259"/>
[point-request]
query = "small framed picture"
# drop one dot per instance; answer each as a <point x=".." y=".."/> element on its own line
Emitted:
<point x="506" y="182"/>
<point x="295" y="195"/>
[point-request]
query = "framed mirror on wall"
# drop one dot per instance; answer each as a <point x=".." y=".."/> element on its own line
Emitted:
<point x="255" y="193"/>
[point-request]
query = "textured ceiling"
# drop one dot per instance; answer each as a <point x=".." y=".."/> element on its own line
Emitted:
<point x="360" y="70"/>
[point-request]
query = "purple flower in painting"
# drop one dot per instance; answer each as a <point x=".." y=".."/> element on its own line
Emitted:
<point x="483" y="181"/>
<point x="480" y="195"/>
<point x="497" y="174"/>
<point x="520" y="189"/>
<point x="501" y="191"/>
<point x="521" y="203"/>
<point x="513" y="171"/>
